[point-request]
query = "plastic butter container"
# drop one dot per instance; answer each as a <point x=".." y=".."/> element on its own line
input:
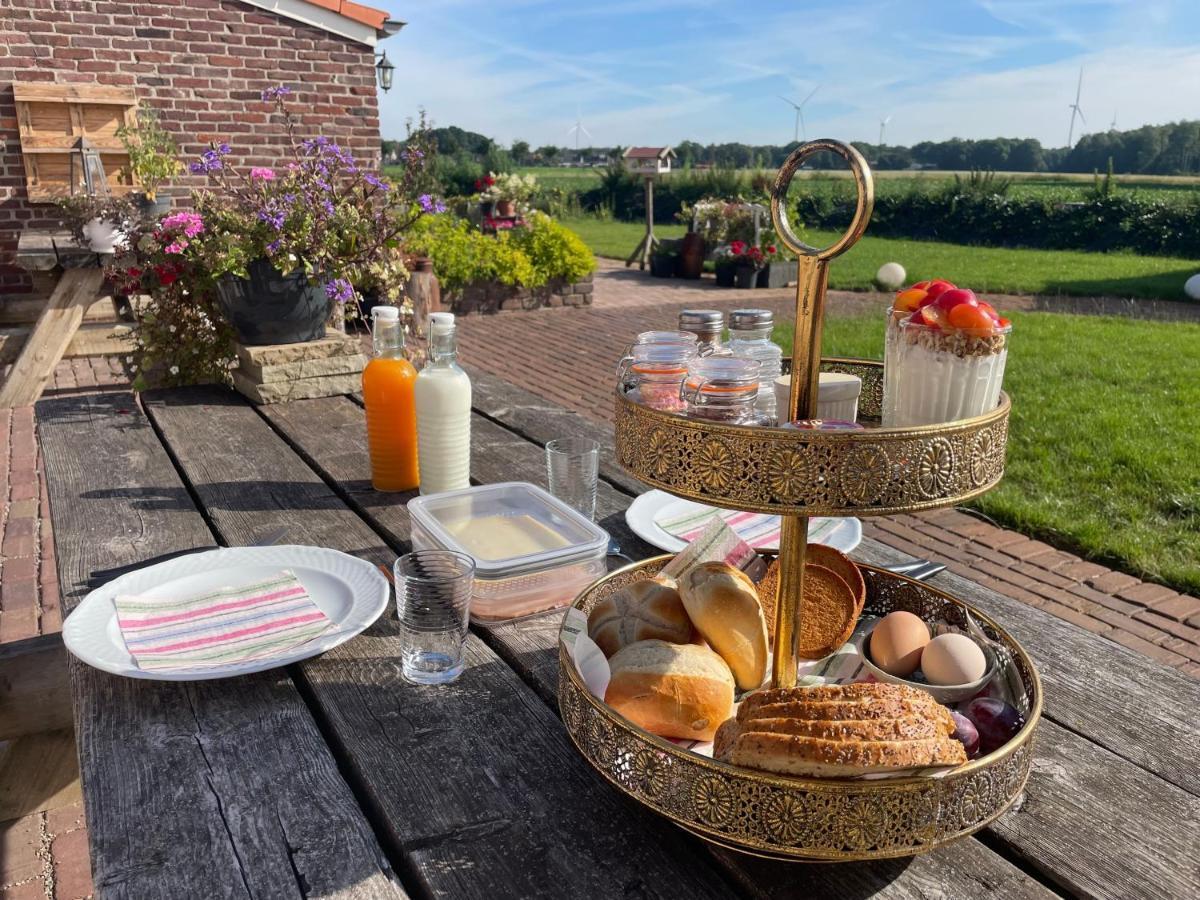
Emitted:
<point x="532" y="552"/>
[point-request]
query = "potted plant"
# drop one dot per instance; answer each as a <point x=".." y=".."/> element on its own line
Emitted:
<point x="103" y="224"/>
<point x="284" y="246"/>
<point x="510" y="192"/>
<point x="778" y="271"/>
<point x="487" y="201"/>
<point x="152" y="159"/>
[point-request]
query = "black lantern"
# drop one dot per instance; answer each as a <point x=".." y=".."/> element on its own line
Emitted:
<point x="383" y="72"/>
<point x="87" y="170"/>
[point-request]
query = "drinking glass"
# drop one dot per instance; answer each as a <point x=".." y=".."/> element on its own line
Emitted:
<point x="433" y="599"/>
<point x="572" y="470"/>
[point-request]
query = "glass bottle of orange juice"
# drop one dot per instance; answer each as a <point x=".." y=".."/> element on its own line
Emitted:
<point x="391" y="413"/>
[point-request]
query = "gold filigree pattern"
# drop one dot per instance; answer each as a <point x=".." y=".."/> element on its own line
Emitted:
<point x="935" y="470"/>
<point x="876" y="471"/>
<point x="798" y="818"/>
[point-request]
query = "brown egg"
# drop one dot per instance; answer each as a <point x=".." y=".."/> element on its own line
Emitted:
<point x="952" y="659"/>
<point x="897" y="641"/>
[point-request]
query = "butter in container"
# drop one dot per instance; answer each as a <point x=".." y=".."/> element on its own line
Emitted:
<point x="837" y="395"/>
<point x="532" y="552"/>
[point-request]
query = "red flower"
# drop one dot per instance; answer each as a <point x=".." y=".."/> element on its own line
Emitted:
<point x="478" y="184"/>
<point x="771" y="249"/>
<point x="737" y="247"/>
<point x="490" y="181"/>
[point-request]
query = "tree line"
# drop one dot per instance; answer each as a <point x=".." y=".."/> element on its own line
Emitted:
<point x="1171" y="149"/>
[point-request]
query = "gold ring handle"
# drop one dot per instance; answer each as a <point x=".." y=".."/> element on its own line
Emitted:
<point x="862" y="213"/>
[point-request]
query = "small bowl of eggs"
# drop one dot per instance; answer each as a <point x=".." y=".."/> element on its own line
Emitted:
<point x="951" y="666"/>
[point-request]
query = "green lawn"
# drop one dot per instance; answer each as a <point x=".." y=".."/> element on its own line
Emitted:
<point x="1102" y="450"/>
<point x="985" y="269"/>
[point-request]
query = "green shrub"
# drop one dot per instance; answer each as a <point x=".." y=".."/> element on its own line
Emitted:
<point x="555" y="251"/>
<point x="533" y="256"/>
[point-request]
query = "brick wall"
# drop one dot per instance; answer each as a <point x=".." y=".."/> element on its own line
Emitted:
<point x="202" y="64"/>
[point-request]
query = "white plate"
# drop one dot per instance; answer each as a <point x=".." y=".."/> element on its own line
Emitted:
<point x="640" y="516"/>
<point x="350" y="591"/>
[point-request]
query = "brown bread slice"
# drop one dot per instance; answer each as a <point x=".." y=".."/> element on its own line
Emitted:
<point x="789" y="754"/>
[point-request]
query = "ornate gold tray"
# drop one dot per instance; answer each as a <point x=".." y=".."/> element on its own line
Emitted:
<point x="876" y="471"/>
<point x="804" y="818"/>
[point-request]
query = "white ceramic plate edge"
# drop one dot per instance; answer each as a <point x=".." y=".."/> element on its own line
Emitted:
<point x="87" y="627"/>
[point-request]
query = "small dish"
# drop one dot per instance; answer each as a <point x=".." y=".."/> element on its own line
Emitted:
<point x="942" y="693"/>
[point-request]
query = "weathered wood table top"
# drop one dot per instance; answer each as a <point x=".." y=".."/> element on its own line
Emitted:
<point x="336" y="778"/>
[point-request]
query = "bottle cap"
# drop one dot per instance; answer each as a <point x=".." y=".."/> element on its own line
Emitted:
<point x="751" y="318"/>
<point x="386" y="313"/>
<point x="441" y="322"/>
<point x="712" y="318"/>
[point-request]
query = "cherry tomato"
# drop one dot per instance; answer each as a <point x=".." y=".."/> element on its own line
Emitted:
<point x="947" y="300"/>
<point x="919" y="286"/>
<point x="909" y="300"/>
<point x="935" y="288"/>
<point x="989" y="309"/>
<point x="932" y="316"/>
<point x="970" y="318"/>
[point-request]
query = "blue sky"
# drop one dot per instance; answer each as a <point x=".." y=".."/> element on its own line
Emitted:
<point x="660" y="71"/>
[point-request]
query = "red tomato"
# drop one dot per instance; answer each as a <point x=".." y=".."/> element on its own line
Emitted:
<point x="947" y="300"/>
<point x="970" y="318"/>
<point x="989" y="309"/>
<point x="935" y="288"/>
<point x="909" y="300"/>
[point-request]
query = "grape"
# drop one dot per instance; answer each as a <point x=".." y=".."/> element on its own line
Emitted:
<point x="965" y="733"/>
<point x="995" y="721"/>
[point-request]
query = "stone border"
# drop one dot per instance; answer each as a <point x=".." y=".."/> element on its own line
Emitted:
<point x="487" y="297"/>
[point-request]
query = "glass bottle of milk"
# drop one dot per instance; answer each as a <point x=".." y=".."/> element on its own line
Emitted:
<point x="443" y="400"/>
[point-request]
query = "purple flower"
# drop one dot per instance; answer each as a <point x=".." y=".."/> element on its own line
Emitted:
<point x="210" y="160"/>
<point x="273" y="247"/>
<point x="224" y="149"/>
<point x="272" y="217"/>
<point x="328" y="207"/>
<point x="429" y="205"/>
<point x="197" y="168"/>
<point x="340" y="290"/>
<point x="410" y="155"/>
<point x="376" y="182"/>
<point x="276" y="93"/>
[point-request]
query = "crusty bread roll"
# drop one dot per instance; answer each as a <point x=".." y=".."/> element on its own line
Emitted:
<point x="642" y="611"/>
<point x="672" y="690"/>
<point x="723" y="605"/>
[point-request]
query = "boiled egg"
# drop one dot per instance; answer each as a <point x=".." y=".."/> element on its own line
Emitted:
<point x="897" y="642"/>
<point x="952" y="659"/>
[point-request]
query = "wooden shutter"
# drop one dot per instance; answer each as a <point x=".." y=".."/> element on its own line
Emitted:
<point x="52" y="117"/>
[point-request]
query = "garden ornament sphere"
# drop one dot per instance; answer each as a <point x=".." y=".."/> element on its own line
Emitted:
<point x="1191" y="287"/>
<point x="890" y="276"/>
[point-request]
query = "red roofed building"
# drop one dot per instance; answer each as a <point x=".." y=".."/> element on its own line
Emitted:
<point x="201" y="64"/>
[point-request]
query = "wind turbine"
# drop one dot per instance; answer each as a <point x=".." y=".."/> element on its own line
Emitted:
<point x="1075" y="110"/>
<point x="883" y="125"/>
<point x="799" y="107"/>
<point x="577" y="129"/>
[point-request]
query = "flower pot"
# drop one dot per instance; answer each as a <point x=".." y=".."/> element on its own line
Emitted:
<point x="155" y="209"/>
<point x="487" y="208"/>
<point x="726" y="274"/>
<point x="778" y="274"/>
<point x="745" y="277"/>
<point x="506" y="208"/>
<point x="691" y="256"/>
<point x="272" y="308"/>
<point x="662" y="266"/>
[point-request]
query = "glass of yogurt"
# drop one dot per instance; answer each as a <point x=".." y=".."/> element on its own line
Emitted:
<point x="936" y="373"/>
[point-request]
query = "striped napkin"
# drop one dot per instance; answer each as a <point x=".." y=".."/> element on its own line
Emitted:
<point x="223" y="627"/>
<point x="760" y="530"/>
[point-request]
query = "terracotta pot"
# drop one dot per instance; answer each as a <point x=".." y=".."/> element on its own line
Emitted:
<point x="506" y="208"/>
<point x="272" y="308"/>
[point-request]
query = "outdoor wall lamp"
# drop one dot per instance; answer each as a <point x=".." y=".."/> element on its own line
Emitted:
<point x="383" y="71"/>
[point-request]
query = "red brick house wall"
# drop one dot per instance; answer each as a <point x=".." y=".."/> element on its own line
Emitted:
<point x="202" y="64"/>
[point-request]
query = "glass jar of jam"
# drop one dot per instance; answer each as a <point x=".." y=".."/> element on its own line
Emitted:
<point x="653" y="373"/>
<point x="723" y="389"/>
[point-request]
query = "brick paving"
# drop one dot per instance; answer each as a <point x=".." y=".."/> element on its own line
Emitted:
<point x="44" y="856"/>
<point x="567" y="356"/>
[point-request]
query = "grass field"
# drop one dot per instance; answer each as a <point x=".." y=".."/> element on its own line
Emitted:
<point x="1104" y="410"/>
<point x="985" y="269"/>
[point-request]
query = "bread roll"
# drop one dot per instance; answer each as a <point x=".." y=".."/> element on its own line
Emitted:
<point x="723" y="605"/>
<point x="672" y="690"/>
<point x="642" y="611"/>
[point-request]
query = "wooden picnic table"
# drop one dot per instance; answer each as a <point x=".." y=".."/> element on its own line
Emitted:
<point x="336" y="778"/>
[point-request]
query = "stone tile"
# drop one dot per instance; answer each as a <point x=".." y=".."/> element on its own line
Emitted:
<point x="20" y="841"/>
<point x="1161" y="623"/>
<point x="29" y="890"/>
<point x="1160" y="654"/>
<point x="1081" y="570"/>
<point x="1111" y="582"/>
<point x="65" y="818"/>
<point x="1076" y="617"/>
<point x="72" y="867"/>
<point x="1177" y="606"/>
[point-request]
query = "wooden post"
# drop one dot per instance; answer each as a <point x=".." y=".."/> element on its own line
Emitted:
<point x="645" y="249"/>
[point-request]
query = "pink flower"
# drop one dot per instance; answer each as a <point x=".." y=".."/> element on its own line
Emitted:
<point x="262" y="173"/>
<point x="175" y="247"/>
<point x="189" y="223"/>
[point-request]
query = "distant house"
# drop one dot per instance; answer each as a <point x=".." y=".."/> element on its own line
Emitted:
<point x="648" y="160"/>
<point x="75" y="69"/>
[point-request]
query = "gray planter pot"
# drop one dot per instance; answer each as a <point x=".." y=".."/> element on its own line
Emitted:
<point x="778" y="274"/>
<point x="745" y="277"/>
<point x="153" y="209"/>
<point x="272" y="308"/>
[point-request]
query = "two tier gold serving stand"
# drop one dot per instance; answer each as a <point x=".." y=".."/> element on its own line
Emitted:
<point x="798" y="474"/>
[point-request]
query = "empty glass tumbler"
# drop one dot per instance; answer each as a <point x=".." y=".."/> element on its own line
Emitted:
<point x="572" y="472"/>
<point x="433" y="600"/>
